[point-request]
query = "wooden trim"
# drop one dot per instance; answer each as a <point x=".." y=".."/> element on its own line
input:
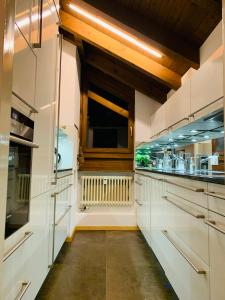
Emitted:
<point x="119" y="228"/>
<point x="116" y="108"/>
<point x="101" y="228"/>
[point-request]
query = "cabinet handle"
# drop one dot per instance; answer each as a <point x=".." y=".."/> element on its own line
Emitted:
<point x="58" y="110"/>
<point x="193" y="114"/>
<point x="137" y="182"/>
<point x="25" y="286"/>
<point x="38" y="44"/>
<point x="60" y="177"/>
<point x="57" y="193"/>
<point x="212" y="224"/>
<point x="213" y="194"/>
<point x="197" y="270"/>
<point x="22" y="142"/>
<point x="139" y="203"/>
<point x="63" y="215"/>
<point x="196" y="215"/>
<point x="27" y="235"/>
<point x="32" y="108"/>
<point x="197" y="190"/>
<point x="184" y="119"/>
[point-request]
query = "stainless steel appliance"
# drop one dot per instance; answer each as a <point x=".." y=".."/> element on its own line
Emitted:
<point x="19" y="172"/>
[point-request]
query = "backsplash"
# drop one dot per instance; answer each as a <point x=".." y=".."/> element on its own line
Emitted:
<point x="196" y="147"/>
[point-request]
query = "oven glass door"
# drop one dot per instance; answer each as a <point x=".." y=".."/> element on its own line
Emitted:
<point x="18" y="193"/>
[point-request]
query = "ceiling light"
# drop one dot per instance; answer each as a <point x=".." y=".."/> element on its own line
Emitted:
<point x="222" y="131"/>
<point x="194" y="131"/>
<point x="194" y="140"/>
<point x="206" y="137"/>
<point x="114" y="30"/>
<point x="181" y="136"/>
<point x="170" y="140"/>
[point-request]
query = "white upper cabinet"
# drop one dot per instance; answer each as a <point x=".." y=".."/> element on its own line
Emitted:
<point x="24" y="69"/>
<point x="178" y="106"/>
<point x="158" y="121"/>
<point x="207" y="84"/>
<point x="70" y="89"/>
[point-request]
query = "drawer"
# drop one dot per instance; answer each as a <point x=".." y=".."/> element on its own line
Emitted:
<point x="15" y="280"/>
<point x="188" y="275"/>
<point x="216" y="198"/>
<point x="186" y="220"/>
<point x="217" y="261"/>
<point x="190" y="190"/>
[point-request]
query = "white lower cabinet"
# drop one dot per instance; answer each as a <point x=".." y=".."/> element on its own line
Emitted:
<point x="189" y="252"/>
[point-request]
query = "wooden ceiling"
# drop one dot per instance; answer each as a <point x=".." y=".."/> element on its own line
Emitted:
<point x="176" y="28"/>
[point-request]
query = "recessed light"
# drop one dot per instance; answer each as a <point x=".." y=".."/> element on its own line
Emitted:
<point x="206" y="137"/>
<point x="157" y="145"/>
<point x="114" y="30"/>
<point x="194" y="131"/>
<point x="170" y="140"/>
<point x="194" y="140"/>
<point x="181" y="136"/>
<point x="175" y="145"/>
<point x="222" y="131"/>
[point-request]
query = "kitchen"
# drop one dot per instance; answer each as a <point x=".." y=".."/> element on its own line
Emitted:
<point x="113" y="136"/>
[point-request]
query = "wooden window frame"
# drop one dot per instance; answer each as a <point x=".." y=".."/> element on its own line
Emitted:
<point x="84" y="123"/>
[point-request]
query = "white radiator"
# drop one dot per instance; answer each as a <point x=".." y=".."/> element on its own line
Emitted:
<point x="106" y="190"/>
<point x="23" y="188"/>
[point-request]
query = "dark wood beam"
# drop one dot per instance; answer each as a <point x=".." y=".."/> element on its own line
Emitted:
<point x="168" y="42"/>
<point x="125" y="74"/>
<point x="110" y="105"/>
<point x="109" y="84"/>
<point x="120" y="50"/>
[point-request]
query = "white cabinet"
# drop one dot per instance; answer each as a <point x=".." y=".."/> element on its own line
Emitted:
<point x="216" y="221"/>
<point x="178" y="233"/>
<point x="24" y="69"/>
<point x="46" y="101"/>
<point x="178" y="106"/>
<point x="70" y="89"/>
<point x="158" y="121"/>
<point x="207" y="84"/>
<point x="217" y="261"/>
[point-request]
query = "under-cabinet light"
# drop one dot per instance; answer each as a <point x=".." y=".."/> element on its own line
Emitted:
<point x="114" y="30"/>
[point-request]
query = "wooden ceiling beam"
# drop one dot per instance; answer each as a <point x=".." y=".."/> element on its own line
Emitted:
<point x="120" y="50"/>
<point x="125" y="74"/>
<point x="175" y="46"/>
<point x="109" y="84"/>
<point x="110" y="105"/>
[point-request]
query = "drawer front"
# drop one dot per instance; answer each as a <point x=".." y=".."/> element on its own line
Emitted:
<point x="186" y="220"/>
<point x="216" y="198"/>
<point x="217" y="261"/>
<point x="190" y="190"/>
<point x="16" y="280"/>
<point x="187" y="283"/>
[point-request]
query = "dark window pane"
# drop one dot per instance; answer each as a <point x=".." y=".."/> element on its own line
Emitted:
<point x="106" y="128"/>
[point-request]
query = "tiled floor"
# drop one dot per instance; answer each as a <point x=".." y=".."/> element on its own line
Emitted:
<point x="107" y="265"/>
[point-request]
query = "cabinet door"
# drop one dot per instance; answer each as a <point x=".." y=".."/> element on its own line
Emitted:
<point x="23" y="17"/>
<point x="179" y="106"/>
<point x="217" y="261"/>
<point x="207" y="84"/>
<point x="24" y="69"/>
<point x="46" y="99"/>
<point x="158" y="121"/>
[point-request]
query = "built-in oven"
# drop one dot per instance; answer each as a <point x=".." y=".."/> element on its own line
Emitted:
<point x="19" y="172"/>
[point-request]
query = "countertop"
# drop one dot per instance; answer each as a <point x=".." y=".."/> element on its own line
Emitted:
<point x="213" y="177"/>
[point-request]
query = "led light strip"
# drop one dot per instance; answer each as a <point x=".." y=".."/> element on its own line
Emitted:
<point x="114" y="30"/>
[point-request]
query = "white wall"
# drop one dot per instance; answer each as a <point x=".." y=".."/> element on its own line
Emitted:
<point x="105" y="215"/>
<point x="144" y="108"/>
